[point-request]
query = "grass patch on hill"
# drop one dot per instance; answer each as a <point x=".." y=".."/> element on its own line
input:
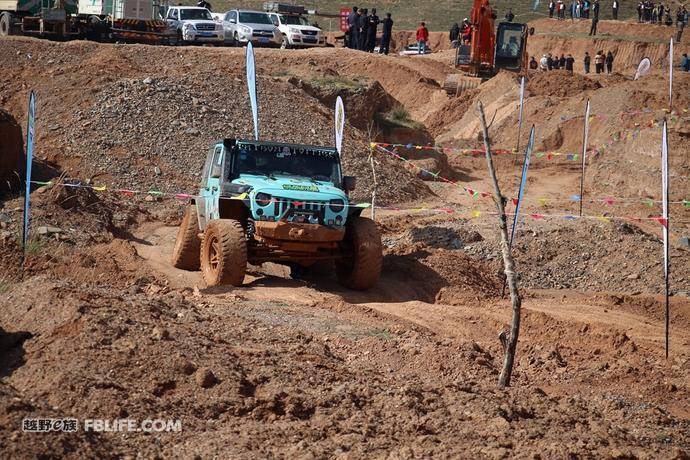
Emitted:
<point x="398" y="117"/>
<point x="336" y="83"/>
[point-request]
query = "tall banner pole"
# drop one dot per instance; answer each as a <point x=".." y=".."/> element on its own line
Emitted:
<point x="584" y="156"/>
<point x="31" y="119"/>
<point x="665" y="223"/>
<point x="522" y="101"/>
<point x="251" y="86"/>
<point x="670" y="76"/>
<point x="521" y="193"/>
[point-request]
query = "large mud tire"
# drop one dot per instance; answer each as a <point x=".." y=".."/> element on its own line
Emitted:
<point x="224" y="253"/>
<point x="362" y="240"/>
<point x="7" y="26"/>
<point x="187" y="245"/>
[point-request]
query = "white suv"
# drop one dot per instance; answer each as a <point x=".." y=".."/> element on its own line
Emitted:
<point x="195" y="25"/>
<point x="296" y="31"/>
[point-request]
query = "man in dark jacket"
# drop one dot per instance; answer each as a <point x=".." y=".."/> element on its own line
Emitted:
<point x="595" y="18"/>
<point x="609" y="62"/>
<point x="569" y="61"/>
<point x="454" y="33"/>
<point x="614" y="9"/>
<point x="386" y="34"/>
<point x="561" y="62"/>
<point x="204" y="4"/>
<point x="588" y="61"/>
<point x="363" y="29"/>
<point x="509" y="15"/>
<point x="352" y="29"/>
<point x="549" y="62"/>
<point x="371" y="31"/>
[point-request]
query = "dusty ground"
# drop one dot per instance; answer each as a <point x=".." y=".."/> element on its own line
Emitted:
<point x="99" y="325"/>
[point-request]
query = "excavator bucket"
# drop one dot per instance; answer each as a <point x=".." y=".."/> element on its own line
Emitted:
<point x="456" y="83"/>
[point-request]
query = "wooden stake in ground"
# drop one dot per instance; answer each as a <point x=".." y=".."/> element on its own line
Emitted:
<point x="508" y="263"/>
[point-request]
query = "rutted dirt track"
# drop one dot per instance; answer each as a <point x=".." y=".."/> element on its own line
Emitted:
<point x="101" y="326"/>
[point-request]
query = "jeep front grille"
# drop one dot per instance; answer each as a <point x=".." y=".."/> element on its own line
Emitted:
<point x="296" y="211"/>
<point x="205" y="27"/>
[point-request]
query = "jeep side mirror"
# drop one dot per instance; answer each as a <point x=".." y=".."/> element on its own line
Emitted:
<point x="349" y="183"/>
<point x="531" y="31"/>
<point x="216" y="171"/>
<point x="233" y="21"/>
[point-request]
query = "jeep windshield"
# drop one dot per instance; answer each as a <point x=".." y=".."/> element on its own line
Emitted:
<point x="255" y="18"/>
<point x="194" y="13"/>
<point x="310" y="166"/>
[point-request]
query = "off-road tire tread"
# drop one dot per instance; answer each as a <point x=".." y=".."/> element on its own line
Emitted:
<point x="187" y="244"/>
<point x="368" y="255"/>
<point x="233" y="260"/>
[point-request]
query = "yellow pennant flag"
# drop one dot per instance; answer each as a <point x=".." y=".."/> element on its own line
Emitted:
<point x="99" y="189"/>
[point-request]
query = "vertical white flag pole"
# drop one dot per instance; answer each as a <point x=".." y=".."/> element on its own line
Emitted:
<point x="585" y="140"/>
<point x="665" y="223"/>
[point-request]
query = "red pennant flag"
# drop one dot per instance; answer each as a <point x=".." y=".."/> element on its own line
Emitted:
<point x="470" y="191"/>
<point x="447" y="210"/>
<point x="537" y="216"/>
<point x="609" y="200"/>
<point x="515" y="201"/>
<point x="549" y="156"/>
<point x="127" y="192"/>
<point x="485" y="194"/>
<point x="661" y="220"/>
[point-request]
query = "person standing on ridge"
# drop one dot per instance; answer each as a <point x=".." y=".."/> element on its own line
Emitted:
<point x="609" y="63"/>
<point x="595" y="18"/>
<point x="454" y="35"/>
<point x="371" y="31"/>
<point x="204" y="4"/>
<point x="353" y="29"/>
<point x="422" y="38"/>
<point x="386" y="34"/>
<point x="363" y="28"/>
<point x="533" y="65"/>
<point x="569" y="61"/>
<point x="509" y="15"/>
<point x="588" y="61"/>
<point x="543" y="63"/>
<point x="561" y="62"/>
<point x="614" y="10"/>
<point x="599" y="62"/>
<point x="552" y="6"/>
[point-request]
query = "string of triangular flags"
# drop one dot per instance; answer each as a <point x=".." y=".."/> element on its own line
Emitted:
<point x="543" y="201"/>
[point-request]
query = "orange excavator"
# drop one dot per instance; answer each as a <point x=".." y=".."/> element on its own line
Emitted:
<point x="489" y="50"/>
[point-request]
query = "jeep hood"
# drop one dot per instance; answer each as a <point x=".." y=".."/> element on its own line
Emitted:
<point x="293" y="188"/>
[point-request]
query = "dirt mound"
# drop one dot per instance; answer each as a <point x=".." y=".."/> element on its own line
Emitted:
<point x="559" y="83"/>
<point x="12" y="160"/>
<point x="362" y="99"/>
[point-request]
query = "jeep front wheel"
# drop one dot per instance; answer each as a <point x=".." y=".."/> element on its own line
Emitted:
<point x="187" y="245"/>
<point x="224" y="253"/>
<point x="361" y="267"/>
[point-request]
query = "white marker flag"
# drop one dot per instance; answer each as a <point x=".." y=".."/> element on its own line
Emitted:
<point x="251" y="86"/>
<point x="339" y="124"/>
<point x="664" y="217"/>
<point x="585" y="140"/>
<point x="643" y="68"/>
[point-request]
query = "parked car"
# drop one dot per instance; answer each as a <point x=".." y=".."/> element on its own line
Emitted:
<point x="195" y="25"/>
<point x="243" y="26"/>
<point x="296" y="31"/>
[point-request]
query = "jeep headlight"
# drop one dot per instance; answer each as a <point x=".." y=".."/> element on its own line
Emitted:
<point x="189" y="25"/>
<point x="219" y="26"/>
<point x="263" y="199"/>
<point x="336" y="205"/>
<point x="245" y="30"/>
<point x="293" y="30"/>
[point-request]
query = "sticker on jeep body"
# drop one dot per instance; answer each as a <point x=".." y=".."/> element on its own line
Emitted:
<point x="301" y="188"/>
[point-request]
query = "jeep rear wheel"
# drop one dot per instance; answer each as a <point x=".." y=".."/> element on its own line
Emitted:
<point x="187" y="245"/>
<point x="224" y="253"/>
<point x="361" y="268"/>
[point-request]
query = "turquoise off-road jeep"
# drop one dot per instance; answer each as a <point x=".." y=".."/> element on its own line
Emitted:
<point x="274" y="202"/>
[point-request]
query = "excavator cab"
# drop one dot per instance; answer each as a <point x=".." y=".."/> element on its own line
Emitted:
<point x="511" y="46"/>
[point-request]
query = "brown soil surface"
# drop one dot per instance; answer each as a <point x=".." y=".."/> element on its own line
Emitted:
<point x="100" y="325"/>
